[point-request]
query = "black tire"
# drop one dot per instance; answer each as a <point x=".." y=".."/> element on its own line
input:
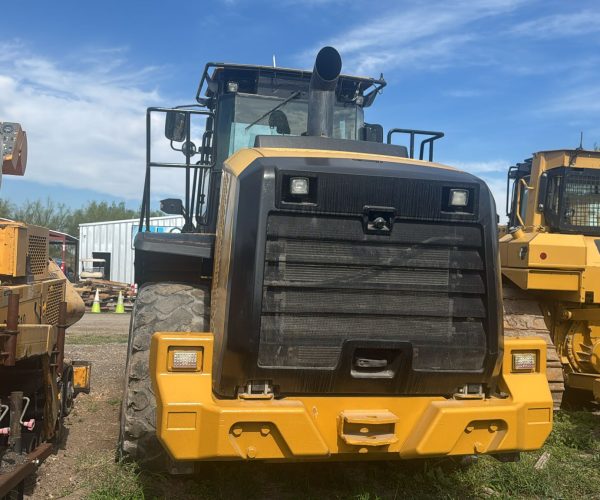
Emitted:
<point x="68" y="391"/>
<point x="173" y="307"/>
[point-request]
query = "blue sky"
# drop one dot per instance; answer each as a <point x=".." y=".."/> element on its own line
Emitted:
<point x="502" y="78"/>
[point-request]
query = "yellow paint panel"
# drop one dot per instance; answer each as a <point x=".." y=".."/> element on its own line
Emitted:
<point x="539" y="415"/>
<point x="181" y="420"/>
<point x="238" y="162"/>
<point x="566" y="251"/>
<point x="528" y="279"/>
<point x="574" y="158"/>
<point x="13" y="249"/>
<point x="34" y="340"/>
<point x="544" y="250"/>
<point x="567" y="282"/>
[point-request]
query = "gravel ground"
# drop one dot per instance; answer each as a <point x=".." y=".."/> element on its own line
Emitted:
<point x="93" y="425"/>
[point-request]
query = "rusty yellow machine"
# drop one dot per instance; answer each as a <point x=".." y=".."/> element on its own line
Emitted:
<point x="330" y="296"/>
<point x="37" y="304"/>
<point x="551" y="262"/>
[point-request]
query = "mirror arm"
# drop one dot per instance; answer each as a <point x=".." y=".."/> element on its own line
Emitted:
<point x="174" y="148"/>
<point x="525" y="185"/>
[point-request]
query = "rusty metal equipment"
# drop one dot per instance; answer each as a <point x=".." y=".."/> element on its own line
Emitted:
<point x="37" y="305"/>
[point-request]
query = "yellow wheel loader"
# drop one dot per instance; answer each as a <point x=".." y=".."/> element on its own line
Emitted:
<point x="551" y="263"/>
<point x="37" y="305"/>
<point x="330" y="296"/>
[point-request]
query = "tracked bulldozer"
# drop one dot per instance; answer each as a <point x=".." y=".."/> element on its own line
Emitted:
<point x="551" y="263"/>
<point x="37" y="305"/>
<point x="330" y="296"/>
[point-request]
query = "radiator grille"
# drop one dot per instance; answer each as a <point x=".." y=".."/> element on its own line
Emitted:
<point x="326" y="282"/>
<point x="53" y="300"/>
<point x="38" y="254"/>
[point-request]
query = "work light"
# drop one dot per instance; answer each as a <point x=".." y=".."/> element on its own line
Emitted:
<point x="524" y="361"/>
<point x="185" y="359"/>
<point x="299" y="186"/>
<point x="459" y="197"/>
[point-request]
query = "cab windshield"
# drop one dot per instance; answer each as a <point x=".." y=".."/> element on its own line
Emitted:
<point x="259" y="115"/>
<point x="573" y="200"/>
<point x="582" y="201"/>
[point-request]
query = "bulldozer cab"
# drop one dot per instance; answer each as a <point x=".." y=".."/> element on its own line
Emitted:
<point x="559" y="190"/>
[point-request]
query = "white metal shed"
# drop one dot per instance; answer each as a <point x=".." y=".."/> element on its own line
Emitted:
<point x="113" y="241"/>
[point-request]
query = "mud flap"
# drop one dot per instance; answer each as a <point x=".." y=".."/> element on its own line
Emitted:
<point x="82" y="371"/>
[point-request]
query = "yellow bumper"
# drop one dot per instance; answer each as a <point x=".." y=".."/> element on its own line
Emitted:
<point x="193" y="425"/>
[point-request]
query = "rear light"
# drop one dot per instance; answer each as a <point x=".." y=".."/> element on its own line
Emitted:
<point x="524" y="361"/>
<point x="185" y="359"/>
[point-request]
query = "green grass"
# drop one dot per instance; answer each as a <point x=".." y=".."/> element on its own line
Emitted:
<point x="107" y="480"/>
<point x="572" y="472"/>
<point x="84" y="339"/>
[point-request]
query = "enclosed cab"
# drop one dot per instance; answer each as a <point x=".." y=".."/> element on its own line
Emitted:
<point x="553" y="253"/>
<point x="345" y="299"/>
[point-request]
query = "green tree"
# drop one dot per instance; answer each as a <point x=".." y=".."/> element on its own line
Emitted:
<point x="47" y="214"/>
<point x="6" y="209"/>
<point x="98" y="211"/>
<point x="59" y="217"/>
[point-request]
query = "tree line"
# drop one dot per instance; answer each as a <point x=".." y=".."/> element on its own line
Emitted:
<point x="60" y="217"/>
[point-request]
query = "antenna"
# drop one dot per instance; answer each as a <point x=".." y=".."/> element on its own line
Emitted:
<point x="274" y="62"/>
<point x="580" y="141"/>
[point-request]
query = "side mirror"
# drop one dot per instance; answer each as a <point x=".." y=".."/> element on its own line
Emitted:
<point x="372" y="132"/>
<point x="171" y="206"/>
<point x="176" y="126"/>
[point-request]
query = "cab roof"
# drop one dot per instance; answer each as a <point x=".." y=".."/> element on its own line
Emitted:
<point x="280" y="82"/>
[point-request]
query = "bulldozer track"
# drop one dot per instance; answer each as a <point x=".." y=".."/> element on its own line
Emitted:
<point x="524" y="318"/>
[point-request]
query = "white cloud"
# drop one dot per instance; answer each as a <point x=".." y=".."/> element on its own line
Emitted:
<point x="413" y="34"/>
<point x="555" y="26"/>
<point x="583" y="100"/>
<point x="498" y="189"/>
<point x="464" y="93"/>
<point x="482" y="167"/>
<point x="85" y="126"/>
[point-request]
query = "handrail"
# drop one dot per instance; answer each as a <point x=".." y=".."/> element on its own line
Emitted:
<point x="434" y="136"/>
<point x="189" y="199"/>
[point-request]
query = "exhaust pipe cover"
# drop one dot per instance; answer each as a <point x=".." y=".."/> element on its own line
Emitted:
<point x="321" y="92"/>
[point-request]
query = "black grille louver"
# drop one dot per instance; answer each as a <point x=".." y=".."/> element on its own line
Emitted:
<point x="320" y="303"/>
<point x="326" y="282"/>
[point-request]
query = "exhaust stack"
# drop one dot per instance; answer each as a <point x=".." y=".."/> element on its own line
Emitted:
<point x="321" y="92"/>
